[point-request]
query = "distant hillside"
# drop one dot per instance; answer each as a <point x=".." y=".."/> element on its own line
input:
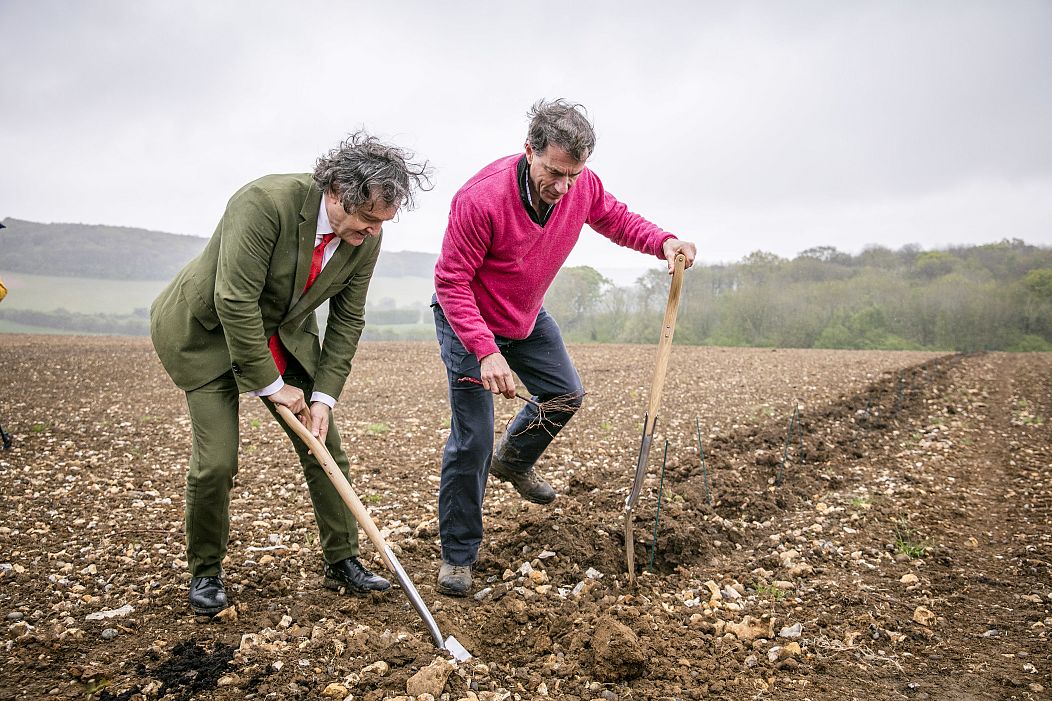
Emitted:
<point x="102" y="252"/>
<point x="106" y="252"/>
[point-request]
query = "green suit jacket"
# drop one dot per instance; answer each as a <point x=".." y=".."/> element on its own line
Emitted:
<point x="247" y="285"/>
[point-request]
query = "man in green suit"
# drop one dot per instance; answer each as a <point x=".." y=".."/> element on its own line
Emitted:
<point x="240" y="319"/>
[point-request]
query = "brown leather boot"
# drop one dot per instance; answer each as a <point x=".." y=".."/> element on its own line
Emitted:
<point x="530" y="485"/>
<point x="454" y="580"/>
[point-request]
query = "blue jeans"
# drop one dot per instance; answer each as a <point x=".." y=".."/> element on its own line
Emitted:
<point x="544" y="367"/>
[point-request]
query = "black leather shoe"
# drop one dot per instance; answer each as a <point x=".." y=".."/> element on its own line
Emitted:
<point x="349" y="574"/>
<point x="207" y="595"/>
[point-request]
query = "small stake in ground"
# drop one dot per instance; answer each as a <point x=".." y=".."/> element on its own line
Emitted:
<point x="657" y="518"/>
<point x="704" y="469"/>
<point x="793" y="422"/>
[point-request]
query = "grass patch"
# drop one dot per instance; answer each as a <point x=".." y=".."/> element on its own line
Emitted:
<point x="908" y="542"/>
<point x="398" y="332"/>
<point x="96" y="684"/>
<point x="93" y="295"/>
<point x="8" y="326"/>
<point x="769" y="591"/>
<point x="378" y="429"/>
<point x="372" y="499"/>
<point x="80" y="294"/>
<point x="1023" y="414"/>
<point x="763" y="411"/>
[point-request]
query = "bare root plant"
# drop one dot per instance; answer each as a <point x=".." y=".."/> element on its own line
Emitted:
<point x="560" y="404"/>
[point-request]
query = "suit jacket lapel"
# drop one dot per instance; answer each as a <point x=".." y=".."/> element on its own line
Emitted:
<point x="329" y="274"/>
<point x="308" y="231"/>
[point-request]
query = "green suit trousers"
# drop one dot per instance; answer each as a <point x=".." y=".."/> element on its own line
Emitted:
<point x="213" y="465"/>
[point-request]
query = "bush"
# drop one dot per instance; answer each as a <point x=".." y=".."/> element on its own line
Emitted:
<point x="1029" y="343"/>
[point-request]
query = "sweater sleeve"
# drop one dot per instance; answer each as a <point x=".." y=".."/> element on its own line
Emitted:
<point x="469" y="235"/>
<point x="612" y="219"/>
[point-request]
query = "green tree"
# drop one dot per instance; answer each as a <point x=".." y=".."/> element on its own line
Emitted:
<point x="1039" y="283"/>
<point x="759" y="266"/>
<point x="825" y="254"/>
<point x="873" y="256"/>
<point x="933" y="264"/>
<point x="1033" y="296"/>
<point x="573" y="299"/>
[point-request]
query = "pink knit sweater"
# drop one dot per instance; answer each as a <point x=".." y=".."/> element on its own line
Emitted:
<point x="496" y="263"/>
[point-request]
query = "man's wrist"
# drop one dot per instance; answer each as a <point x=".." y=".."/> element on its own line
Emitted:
<point x="270" y="389"/>
<point x="487" y="350"/>
<point x="323" y="398"/>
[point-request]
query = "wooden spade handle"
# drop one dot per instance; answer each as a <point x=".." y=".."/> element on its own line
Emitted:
<point x="332" y="470"/>
<point x="668" y="328"/>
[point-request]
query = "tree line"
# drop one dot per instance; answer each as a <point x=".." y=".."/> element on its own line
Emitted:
<point x="990" y="297"/>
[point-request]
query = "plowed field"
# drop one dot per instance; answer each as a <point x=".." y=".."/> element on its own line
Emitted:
<point x="897" y="546"/>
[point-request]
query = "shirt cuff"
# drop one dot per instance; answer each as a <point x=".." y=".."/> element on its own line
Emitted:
<point x="323" y="398"/>
<point x="269" y="389"/>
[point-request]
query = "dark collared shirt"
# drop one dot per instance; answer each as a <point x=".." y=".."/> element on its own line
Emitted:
<point x="527" y="199"/>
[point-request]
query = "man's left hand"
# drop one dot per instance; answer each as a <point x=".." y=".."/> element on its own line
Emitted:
<point x="319" y="418"/>
<point x="673" y="247"/>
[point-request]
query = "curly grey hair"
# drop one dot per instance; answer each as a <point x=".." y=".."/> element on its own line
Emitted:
<point x="562" y="123"/>
<point x="363" y="167"/>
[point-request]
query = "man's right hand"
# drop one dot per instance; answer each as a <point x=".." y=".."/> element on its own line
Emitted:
<point x="292" y="397"/>
<point x="496" y="375"/>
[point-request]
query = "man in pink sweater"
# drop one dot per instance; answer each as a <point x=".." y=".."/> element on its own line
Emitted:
<point x="511" y="227"/>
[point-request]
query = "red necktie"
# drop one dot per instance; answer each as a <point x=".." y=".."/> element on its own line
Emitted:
<point x="277" y="350"/>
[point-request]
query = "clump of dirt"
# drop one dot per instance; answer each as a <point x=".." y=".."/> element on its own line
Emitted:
<point x="618" y="654"/>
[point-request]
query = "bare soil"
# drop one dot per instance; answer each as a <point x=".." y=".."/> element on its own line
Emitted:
<point x="897" y="546"/>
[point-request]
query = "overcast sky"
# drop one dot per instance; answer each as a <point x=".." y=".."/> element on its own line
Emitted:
<point x="772" y="126"/>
